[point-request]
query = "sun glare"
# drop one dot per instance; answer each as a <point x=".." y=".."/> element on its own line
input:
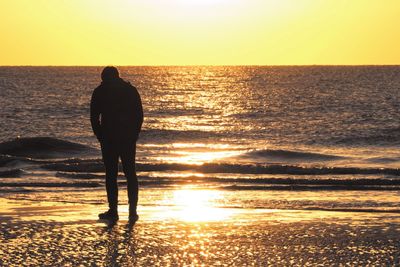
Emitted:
<point x="204" y="157"/>
<point x="199" y="205"/>
<point x="201" y="2"/>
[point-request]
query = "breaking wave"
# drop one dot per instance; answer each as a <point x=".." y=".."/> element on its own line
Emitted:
<point x="90" y="180"/>
<point x="270" y="154"/>
<point x="10" y="173"/>
<point x="97" y="166"/>
<point x="50" y="184"/>
<point x="311" y="187"/>
<point x="42" y="157"/>
<point x="41" y="148"/>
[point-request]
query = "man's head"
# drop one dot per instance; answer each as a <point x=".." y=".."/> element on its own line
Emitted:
<point x="109" y="74"/>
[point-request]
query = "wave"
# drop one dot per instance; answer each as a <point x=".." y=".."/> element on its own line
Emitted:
<point x="5" y="160"/>
<point x="235" y="187"/>
<point x="73" y="175"/>
<point x="290" y="155"/>
<point x="11" y="173"/>
<point x="281" y="169"/>
<point x="291" y="181"/>
<point x="225" y="180"/>
<point x="382" y="137"/>
<point x="51" y="184"/>
<point x="15" y="190"/>
<point x="266" y="169"/>
<point x="86" y="166"/>
<point x="41" y="147"/>
<point x="168" y="135"/>
<point x="224" y="183"/>
<point x="383" y="160"/>
<point x="369" y="210"/>
<point x="97" y="166"/>
<point x="310" y="188"/>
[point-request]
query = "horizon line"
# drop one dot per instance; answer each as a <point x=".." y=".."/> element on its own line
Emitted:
<point x="214" y="65"/>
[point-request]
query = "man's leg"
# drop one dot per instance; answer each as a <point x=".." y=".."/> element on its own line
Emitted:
<point x="110" y="159"/>
<point x="128" y="153"/>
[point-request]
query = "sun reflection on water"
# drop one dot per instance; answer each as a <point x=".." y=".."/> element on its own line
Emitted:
<point x="194" y="205"/>
<point x="189" y="157"/>
<point x="197" y="153"/>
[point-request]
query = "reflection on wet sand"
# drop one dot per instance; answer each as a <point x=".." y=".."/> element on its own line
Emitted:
<point x="191" y="205"/>
<point x="152" y="243"/>
<point x="195" y="232"/>
<point x="120" y="243"/>
<point x="112" y="236"/>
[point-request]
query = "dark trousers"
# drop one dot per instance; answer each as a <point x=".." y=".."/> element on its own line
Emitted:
<point x="111" y="152"/>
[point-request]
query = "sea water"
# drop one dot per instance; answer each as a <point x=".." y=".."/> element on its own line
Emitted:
<point x="272" y="137"/>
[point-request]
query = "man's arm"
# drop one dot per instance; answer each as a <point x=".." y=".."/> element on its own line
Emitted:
<point x="138" y="113"/>
<point x="95" y="113"/>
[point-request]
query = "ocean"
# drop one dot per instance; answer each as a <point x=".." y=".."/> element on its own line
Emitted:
<point x="249" y="137"/>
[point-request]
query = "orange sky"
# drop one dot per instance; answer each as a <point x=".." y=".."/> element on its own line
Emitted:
<point x="199" y="32"/>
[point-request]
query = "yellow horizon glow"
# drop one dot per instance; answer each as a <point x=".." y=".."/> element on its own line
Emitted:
<point x="200" y="32"/>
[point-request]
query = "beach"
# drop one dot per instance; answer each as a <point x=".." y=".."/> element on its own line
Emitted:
<point x="54" y="234"/>
<point x="237" y="166"/>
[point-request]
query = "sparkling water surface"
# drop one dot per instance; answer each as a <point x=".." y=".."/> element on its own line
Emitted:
<point x="248" y="131"/>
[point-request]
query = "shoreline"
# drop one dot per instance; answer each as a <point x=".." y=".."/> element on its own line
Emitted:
<point x="57" y="234"/>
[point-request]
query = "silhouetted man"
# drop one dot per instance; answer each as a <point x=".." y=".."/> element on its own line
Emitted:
<point x="116" y="116"/>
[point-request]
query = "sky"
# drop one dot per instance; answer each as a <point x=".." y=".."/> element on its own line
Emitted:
<point x="199" y="32"/>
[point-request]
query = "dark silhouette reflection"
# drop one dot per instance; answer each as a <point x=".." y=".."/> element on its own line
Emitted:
<point x="112" y="252"/>
<point x="131" y="244"/>
<point x="121" y="244"/>
<point x="116" y="116"/>
<point x="110" y="224"/>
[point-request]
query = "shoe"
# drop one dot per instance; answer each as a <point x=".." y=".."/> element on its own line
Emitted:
<point x="133" y="217"/>
<point x="109" y="215"/>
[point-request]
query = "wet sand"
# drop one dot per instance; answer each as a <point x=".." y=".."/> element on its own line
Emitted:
<point x="56" y="234"/>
